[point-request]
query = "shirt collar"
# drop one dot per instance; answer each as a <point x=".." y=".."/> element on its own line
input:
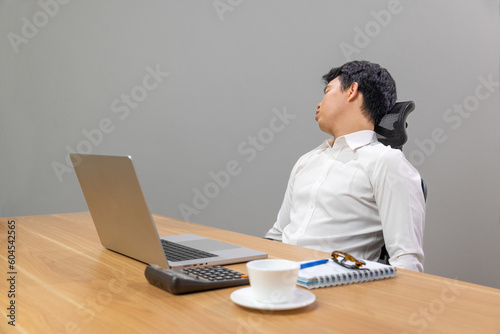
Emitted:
<point x="361" y="138"/>
<point x="356" y="139"/>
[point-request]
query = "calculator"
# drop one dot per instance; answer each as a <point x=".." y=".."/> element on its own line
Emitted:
<point x="194" y="279"/>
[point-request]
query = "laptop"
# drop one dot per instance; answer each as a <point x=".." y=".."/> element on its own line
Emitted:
<point x="125" y="225"/>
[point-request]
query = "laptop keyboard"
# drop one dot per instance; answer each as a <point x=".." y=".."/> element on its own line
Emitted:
<point x="177" y="252"/>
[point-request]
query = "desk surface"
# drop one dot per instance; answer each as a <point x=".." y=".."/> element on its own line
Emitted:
<point x="66" y="282"/>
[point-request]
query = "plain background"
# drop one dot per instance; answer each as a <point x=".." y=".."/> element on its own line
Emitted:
<point x="76" y="75"/>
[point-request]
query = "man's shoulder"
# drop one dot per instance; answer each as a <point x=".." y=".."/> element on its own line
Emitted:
<point x="324" y="145"/>
<point x="306" y="158"/>
<point x="378" y="150"/>
<point x="382" y="156"/>
<point x="385" y="159"/>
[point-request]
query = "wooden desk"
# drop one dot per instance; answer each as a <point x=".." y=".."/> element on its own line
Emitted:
<point x="66" y="282"/>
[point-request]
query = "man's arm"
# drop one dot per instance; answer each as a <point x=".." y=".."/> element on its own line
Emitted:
<point x="401" y="204"/>
<point x="276" y="232"/>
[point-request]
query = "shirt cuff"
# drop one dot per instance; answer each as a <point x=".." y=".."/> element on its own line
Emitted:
<point x="410" y="262"/>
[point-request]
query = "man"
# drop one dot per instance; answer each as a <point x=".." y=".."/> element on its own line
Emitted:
<point x="353" y="193"/>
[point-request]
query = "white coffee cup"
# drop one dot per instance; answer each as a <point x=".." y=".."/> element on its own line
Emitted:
<point x="273" y="281"/>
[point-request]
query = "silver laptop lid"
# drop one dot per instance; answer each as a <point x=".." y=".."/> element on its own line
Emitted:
<point x="117" y="206"/>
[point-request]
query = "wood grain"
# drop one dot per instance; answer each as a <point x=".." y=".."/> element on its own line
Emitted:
<point x="68" y="283"/>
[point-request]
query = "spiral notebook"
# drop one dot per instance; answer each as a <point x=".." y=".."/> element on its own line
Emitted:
<point x="332" y="274"/>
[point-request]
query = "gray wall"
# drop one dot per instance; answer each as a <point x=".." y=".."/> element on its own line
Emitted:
<point x="192" y="88"/>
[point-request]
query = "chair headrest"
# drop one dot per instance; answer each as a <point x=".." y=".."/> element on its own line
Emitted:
<point x="391" y="130"/>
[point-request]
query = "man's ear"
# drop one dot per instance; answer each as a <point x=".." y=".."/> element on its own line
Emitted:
<point x="353" y="92"/>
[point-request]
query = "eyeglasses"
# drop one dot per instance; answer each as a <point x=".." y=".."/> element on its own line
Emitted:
<point x="347" y="260"/>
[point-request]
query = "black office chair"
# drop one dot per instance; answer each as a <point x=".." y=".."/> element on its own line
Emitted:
<point x="391" y="130"/>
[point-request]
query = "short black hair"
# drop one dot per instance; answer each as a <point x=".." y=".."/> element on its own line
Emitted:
<point x="374" y="82"/>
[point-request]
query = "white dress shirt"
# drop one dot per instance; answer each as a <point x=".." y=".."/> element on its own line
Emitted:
<point x="352" y="197"/>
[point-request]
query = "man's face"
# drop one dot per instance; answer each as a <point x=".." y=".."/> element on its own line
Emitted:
<point x="331" y="109"/>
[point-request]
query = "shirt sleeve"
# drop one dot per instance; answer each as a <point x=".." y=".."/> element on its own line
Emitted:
<point x="400" y="200"/>
<point x="283" y="219"/>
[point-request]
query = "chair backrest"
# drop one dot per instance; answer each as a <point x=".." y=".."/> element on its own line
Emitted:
<point x="391" y="130"/>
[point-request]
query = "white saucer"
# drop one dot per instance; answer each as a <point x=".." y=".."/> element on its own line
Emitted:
<point x="244" y="297"/>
